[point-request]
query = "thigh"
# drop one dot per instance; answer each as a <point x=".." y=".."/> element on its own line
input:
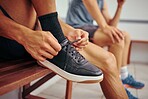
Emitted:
<point x="10" y="49"/>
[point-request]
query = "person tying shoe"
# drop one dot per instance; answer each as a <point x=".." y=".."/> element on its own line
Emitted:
<point x="18" y="38"/>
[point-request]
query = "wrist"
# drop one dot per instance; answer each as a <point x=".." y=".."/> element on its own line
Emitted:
<point x="67" y="30"/>
<point x="104" y="27"/>
<point x="120" y="5"/>
<point x="21" y="37"/>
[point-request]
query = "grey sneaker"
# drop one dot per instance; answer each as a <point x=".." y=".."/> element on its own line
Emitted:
<point x="71" y="65"/>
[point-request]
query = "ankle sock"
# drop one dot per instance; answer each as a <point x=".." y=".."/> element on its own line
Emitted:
<point x="124" y="72"/>
<point x="50" y="22"/>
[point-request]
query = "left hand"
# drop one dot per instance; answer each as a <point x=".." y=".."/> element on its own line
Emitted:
<point x="114" y="34"/>
<point x="121" y="2"/>
<point x="78" y="34"/>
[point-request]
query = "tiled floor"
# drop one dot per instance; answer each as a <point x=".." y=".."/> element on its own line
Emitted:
<point x="93" y="91"/>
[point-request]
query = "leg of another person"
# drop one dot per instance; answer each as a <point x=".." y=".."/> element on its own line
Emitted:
<point x="115" y="48"/>
<point x="111" y="85"/>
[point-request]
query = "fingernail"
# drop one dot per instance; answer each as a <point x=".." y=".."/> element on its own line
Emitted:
<point x="79" y="37"/>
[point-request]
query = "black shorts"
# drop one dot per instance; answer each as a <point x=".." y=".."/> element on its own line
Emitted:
<point x="91" y="29"/>
<point x="10" y="49"/>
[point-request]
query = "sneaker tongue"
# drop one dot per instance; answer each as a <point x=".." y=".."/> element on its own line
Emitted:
<point x="64" y="42"/>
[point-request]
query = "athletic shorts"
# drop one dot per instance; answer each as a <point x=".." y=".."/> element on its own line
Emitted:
<point x="10" y="49"/>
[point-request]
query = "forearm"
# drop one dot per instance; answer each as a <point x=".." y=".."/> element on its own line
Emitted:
<point x="95" y="12"/>
<point x="65" y="27"/>
<point x="115" y="20"/>
<point x="12" y="30"/>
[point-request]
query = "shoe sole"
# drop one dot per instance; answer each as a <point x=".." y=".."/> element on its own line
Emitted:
<point x="128" y="86"/>
<point x="69" y="76"/>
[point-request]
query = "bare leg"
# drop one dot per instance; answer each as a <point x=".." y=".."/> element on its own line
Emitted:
<point x="116" y="49"/>
<point x="127" y="41"/>
<point x="44" y="7"/>
<point x="111" y="85"/>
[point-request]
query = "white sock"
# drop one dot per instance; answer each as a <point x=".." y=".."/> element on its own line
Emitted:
<point x="124" y="72"/>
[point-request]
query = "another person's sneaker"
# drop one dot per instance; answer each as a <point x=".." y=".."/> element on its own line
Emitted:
<point x="130" y="82"/>
<point x="71" y="65"/>
<point x="130" y="96"/>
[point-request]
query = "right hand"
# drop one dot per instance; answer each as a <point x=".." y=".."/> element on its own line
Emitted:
<point x="41" y="45"/>
<point x="78" y="34"/>
<point x="115" y="34"/>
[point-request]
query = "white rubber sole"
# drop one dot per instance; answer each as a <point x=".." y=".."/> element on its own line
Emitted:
<point x="69" y="76"/>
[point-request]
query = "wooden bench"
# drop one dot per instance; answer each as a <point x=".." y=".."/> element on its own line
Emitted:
<point x="20" y="73"/>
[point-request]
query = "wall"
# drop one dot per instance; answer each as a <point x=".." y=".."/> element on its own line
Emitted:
<point x="133" y="10"/>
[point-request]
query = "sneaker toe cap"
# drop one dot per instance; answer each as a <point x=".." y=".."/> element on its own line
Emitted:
<point x="91" y="70"/>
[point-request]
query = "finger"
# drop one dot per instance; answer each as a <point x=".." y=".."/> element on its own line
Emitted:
<point x="121" y="35"/>
<point x="115" y="35"/>
<point x="55" y="45"/>
<point x="45" y="54"/>
<point x="78" y="37"/>
<point x="81" y="47"/>
<point x="82" y="42"/>
<point x="112" y="38"/>
<point x="85" y="34"/>
<point x="78" y="34"/>
<point x="52" y="36"/>
<point x="35" y="55"/>
<point x="77" y="41"/>
<point x="40" y="58"/>
<point x="49" y="49"/>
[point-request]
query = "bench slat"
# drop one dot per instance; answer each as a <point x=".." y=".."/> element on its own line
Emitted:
<point x="15" y="74"/>
<point x="16" y="70"/>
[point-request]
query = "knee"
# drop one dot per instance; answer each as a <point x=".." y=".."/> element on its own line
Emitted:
<point x="110" y="63"/>
<point x="118" y="45"/>
<point x="127" y="38"/>
<point x="121" y="44"/>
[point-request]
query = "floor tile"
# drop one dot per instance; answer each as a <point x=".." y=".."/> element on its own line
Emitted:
<point x="141" y="71"/>
<point x="56" y="90"/>
<point x="143" y="93"/>
<point x="93" y="87"/>
<point x="133" y="92"/>
<point x="85" y="93"/>
<point x="141" y="75"/>
<point x="48" y="96"/>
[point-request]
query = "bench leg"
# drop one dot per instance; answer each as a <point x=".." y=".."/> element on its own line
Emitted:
<point x="27" y="89"/>
<point x="68" y="90"/>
